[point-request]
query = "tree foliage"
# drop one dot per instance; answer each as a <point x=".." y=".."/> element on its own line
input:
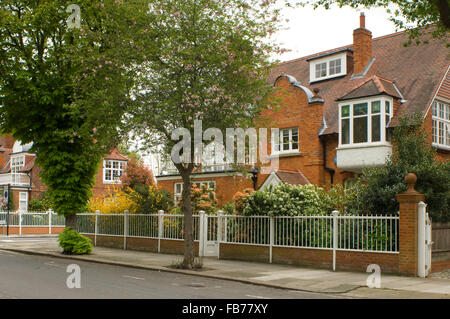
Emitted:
<point x="209" y="61"/>
<point x="412" y="153"/>
<point x="137" y="174"/>
<point x="65" y="89"/>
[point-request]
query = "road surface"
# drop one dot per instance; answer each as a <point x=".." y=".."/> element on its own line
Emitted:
<point x="31" y="276"/>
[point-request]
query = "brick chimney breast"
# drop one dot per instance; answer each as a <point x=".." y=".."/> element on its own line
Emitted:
<point x="362" y="46"/>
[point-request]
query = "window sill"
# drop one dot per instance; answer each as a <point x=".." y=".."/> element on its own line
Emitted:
<point x="111" y="182"/>
<point x="364" y="145"/>
<point x="285" y="154"/>
<point x="441" y="147"/>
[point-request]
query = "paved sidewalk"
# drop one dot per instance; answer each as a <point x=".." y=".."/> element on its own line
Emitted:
<point x="351" y="284"/>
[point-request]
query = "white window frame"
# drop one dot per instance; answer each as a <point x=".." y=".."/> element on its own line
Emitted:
<point x="178" y="195"/>
<point x="17" y="162"/>
<point x="383" y="120"/>
<point x="441" y="124"/>
<point x="21" y="200"/>
<point x="328" y="59"/>
<point x="277" y="139"/>
<point x="120" y="169"/>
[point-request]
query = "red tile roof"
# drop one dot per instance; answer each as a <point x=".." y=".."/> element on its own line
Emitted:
<point x="416" y="70"/>
<point x="292" y="177"/>
<point x="116" y="155"/>
<point x="374" y="85"/>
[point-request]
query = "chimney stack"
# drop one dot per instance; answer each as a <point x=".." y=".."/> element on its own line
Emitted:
<point x="362" y="46"/>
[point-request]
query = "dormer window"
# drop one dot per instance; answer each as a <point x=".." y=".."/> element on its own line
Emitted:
<point x="328" y="66"/>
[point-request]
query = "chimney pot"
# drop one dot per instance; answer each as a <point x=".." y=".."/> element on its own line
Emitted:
<point x="362" y="46"/>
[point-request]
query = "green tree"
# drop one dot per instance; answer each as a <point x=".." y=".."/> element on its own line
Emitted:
<point x="412" y="153"/>
<point x="210" y="63"/>
<point x="41" y="204"/>
<point x="65" y="88"/>
<point x="410" y="15"/>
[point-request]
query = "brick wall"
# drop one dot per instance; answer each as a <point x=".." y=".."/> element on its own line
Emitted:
<point x="168" y="246"/>
<point x="14" y="230"/>
<point x="318" y="258"/>
<point x="226" y="186"/>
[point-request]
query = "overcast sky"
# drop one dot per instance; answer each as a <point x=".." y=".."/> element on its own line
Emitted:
<point x="310" y="31"/>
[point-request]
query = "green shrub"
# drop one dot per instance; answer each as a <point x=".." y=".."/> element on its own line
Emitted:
<point x="287" y="200"/>
<point x="228" y="208"/>
<point x="412" y="153"/>
<point x="41" y="204"/>
<point x="74" y="243"/>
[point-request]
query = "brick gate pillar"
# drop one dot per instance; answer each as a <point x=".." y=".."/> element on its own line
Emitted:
<point x="408" y="230"/>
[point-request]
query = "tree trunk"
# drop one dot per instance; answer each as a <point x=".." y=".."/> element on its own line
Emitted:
<point x="189" y="253"/>
<point x="72" y="221"/>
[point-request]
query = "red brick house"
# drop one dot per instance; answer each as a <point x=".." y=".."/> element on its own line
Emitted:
<point x="339" y="107"/>
<point x="18" y="169"/>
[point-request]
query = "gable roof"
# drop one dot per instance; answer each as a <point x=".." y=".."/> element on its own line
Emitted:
<point x="416" y="70"/>
<point x="293" y="178"/>
<point x="115" y="155"/>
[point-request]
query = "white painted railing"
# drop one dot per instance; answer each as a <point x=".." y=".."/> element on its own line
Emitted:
<point x="355" y="233"/>
<point x="156" y="226"/>
<point x="22" y="219"/>
<point x="17" y="179"/>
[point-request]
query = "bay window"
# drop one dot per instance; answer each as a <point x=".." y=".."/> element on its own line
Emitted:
<point x="441" y="124"/>
<point x="364" y="121"/>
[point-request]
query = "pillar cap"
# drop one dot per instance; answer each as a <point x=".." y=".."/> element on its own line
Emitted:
<point x="411" y="195"/>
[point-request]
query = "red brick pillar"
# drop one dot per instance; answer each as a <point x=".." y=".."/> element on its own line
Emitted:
<point x="408" y="229"/>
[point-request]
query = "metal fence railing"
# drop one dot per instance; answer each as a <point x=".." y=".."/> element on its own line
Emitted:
<point x="357" y="233"/>
<point x="21" y="219"/>
<point x="156" y="226"/>
<point x="368" y="233"/>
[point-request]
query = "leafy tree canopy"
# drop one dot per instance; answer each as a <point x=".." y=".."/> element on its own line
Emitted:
<point x="65" y="89"/>
<point x="210" y="62"/>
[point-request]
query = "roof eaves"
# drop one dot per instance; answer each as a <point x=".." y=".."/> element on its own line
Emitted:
<point x="329" y="53"/>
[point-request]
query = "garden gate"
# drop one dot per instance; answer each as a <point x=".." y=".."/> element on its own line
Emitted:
<point x="209" y="235"/>
<point x="424" y="241"/>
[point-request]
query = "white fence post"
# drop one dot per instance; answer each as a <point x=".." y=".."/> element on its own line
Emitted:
<point x="97" y="212"/>
<point x="125" y="228"/>
<point x="202" y="234"/>
<point x="335" y="237"/>
<point x="219" y="231"/>
<point x="421" y="239"/>
<point x="20" y="223"/>
<point x="50" y="221"/>
<point x="160" y="228"/>
<point x="428" y="244"/>
<point x="272" y="237"/>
